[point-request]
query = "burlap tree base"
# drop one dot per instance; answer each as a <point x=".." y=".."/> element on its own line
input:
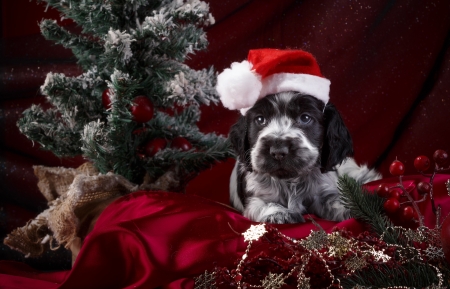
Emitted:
<point x="76" y="199"/>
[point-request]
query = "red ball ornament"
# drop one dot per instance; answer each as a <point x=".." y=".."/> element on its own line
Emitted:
<point x="154" y="146"/>
<point x="395" y="193"/>
<point x="142" y="109"/>
<point x="106" y="100"/>
<point x="397" y="168"/>
<point x="383" y="191"/>
<point x="423" y="188"/>
<point x="407" y="213"/>
<point x="422" y="163"/>
<point x="445" y="238"/>
<point x="440" y="157"/>
<point x="391" y="205"/>
<point x="181" y="143"/>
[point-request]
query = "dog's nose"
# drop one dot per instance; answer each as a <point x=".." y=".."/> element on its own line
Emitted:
<point x="279" y="152"/>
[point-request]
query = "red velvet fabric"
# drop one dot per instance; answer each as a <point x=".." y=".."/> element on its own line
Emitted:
<point x="164" y="240"/>
<point x="388" y="62"/>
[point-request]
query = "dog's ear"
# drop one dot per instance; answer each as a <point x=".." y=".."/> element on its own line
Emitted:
<point x="337" y="143"/>
<point x="239" y="139"/>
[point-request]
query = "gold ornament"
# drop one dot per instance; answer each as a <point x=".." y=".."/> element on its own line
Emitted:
<point x="414" y="235"/>
<point x="254" y="232"/>
<point x="355" y="263"/>
<point x="315" y="241"/>
<point x="273" y="281"/>
<point x="338" y="245"/>
<point x="205" y="281"/>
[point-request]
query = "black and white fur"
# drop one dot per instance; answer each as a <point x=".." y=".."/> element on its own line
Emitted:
<point x="291" y="149"/>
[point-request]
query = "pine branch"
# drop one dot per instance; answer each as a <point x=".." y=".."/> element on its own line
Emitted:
<point x="53" y="133"/>
<point x="189" y="161"/>
<point x="410" y="275"/>
<point x="366" y="207"/>
<point x="193" y="87"/>
<point x="83" y="48"/>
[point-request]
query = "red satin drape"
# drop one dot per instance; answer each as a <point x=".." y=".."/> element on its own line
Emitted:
<point x="388" y="62"/>
<point x="153" y="239"/>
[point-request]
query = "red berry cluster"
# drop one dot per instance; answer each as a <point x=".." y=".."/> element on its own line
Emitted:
<point x="398" y="200"/>
<point x="395" y="202"/>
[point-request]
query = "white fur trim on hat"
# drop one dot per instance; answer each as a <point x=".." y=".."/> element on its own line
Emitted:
<point x="238" y="86"/>
<point x="316" y="86"/>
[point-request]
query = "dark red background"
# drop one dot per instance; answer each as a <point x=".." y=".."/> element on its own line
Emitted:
<point x="388" y="62"/>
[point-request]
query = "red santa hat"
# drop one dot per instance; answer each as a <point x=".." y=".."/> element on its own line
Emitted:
<point x="269" y="71"/>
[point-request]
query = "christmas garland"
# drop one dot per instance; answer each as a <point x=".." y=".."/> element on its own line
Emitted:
<point x="386" y="256"/>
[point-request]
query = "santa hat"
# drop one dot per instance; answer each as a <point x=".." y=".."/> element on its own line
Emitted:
<point x="269" y="71"/>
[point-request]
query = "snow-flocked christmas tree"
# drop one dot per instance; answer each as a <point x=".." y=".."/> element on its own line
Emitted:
<point x="134" y="109"/>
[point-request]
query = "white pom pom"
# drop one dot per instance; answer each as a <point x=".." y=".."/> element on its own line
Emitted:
<point x="239" y="87"/>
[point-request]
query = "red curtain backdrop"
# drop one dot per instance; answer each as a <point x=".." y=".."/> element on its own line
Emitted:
<point x="388" y="62"/>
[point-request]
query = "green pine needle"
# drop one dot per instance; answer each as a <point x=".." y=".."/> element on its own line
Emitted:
<point x="366" y="207"/>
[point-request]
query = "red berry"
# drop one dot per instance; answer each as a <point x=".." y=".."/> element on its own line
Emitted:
<point x="106" y="100"/>
<point x="142" y="109"/>
<point x="383" y="190"/>
<point x="440" y="157"/>
<point x="395" y="193"/>
<point x="422" y="163"/>
<point x="154" y="146"/>
<point x="407" y="213"/>
<point x="423" y="188"/>
<point x="181" y="143"/>
<point x="391" y="205"/>
<point x="397" y="168"/>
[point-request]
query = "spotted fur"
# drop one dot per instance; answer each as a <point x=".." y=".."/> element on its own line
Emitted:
<point x="291" y="149"/>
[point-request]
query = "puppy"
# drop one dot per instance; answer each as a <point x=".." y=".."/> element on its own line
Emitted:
<point x="291" y="148"/>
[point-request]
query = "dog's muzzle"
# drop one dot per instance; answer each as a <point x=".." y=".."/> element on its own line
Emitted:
<point x="282" y="157"/>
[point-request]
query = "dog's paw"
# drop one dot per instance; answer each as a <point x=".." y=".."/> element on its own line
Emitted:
<point x="284" y="218"/>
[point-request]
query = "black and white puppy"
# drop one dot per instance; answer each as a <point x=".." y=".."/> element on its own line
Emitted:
<point x="291" y="148"/>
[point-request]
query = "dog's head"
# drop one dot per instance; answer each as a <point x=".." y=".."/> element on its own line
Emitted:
<point x="288" y="134"/>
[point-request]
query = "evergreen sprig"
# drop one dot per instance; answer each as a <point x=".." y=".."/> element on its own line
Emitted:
<point x="367" y="207"/>
<point x="410" y="275"/>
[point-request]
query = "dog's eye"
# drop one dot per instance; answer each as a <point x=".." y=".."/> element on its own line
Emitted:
<point x="260" y="120"/>
<point x="304" y="119"/>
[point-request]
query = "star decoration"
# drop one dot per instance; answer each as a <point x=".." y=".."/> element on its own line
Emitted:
<point x="338" y="245"/>
<point x="355" y="263"/>
<point x="315" y="241"/>
<point x="379" y="255"/>
<point x="414" y="235"/>
<point x="273" y="281"/>
<point x="434" y="253"/>
<point x="205" y="281"/>
<point x="254" y="232"/>
<point x="433" y="236"/>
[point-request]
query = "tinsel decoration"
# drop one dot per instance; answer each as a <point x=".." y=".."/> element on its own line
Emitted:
<point x="340" y="261"/>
